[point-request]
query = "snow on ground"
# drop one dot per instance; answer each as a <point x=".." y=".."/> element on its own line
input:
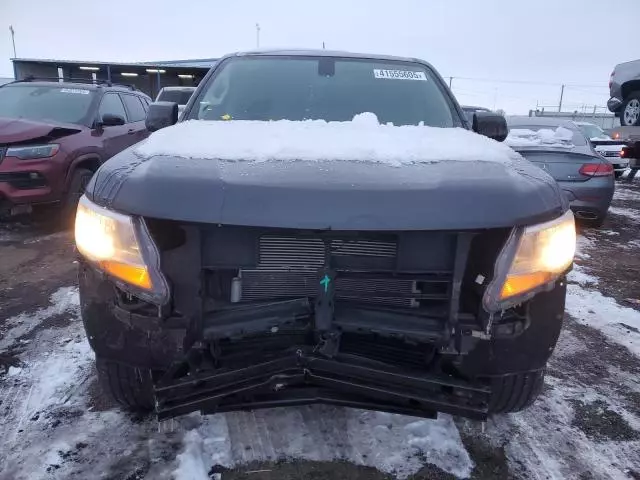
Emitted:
<point x="620" y="324"/>
<point x="45" y="408"/>
<point x="63" y="300"/>
<point x="624" y="193"/>
<point x="584" y="243"/>
<point x="546" y="441"/>
<point x="362" y="139"/>
<point x="580" y="276"/>
<point x="625" y="212"/>
<point x="391" y="443"/>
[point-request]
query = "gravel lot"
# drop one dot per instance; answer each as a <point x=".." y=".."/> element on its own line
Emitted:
<point x="55" y="423"/>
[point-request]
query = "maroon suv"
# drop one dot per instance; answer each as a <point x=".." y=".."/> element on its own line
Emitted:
<point x="53" y="136"/>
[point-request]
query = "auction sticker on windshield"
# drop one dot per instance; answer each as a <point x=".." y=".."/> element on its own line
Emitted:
<point x="74" y="90"/>
<point x="399" y="74"/>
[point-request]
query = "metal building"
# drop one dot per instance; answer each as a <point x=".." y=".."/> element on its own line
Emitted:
<point x="148" y="77"/>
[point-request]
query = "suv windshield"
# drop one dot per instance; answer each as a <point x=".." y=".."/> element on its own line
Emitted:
<point x="181" y="97"/>
<point x="46" y="102"/>
<point x="593" y="131"/>
<point x="331" y="89"/>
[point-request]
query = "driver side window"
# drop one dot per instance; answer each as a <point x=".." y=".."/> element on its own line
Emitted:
<point x="112" y="104"/>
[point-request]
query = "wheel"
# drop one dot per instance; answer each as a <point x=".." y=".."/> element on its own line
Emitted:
<point x="130" y="387"/>
<point x="77" y="185"/>
<point x="617" y="174"/>
<point x="514" y="392"/>
<point x="630" y="110"/>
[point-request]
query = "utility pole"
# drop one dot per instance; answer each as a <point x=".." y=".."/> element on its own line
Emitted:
<point x="13" y="40"/>
<point x="257" y="35"/>
<point x="323" y="45"/>
<point x="561" y="95"/>
<point x="450" y="82"/>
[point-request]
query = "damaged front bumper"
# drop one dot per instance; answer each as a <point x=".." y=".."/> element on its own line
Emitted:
<point x="378" y="323"/>
<point x="303" y="375"/>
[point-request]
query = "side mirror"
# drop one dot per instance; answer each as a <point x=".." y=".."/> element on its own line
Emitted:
<point x="111" y="120"/>
<point x="492" y="125"/>
<point x="160" y="115"/>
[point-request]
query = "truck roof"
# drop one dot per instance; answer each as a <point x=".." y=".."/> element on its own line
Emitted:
<point x="325" y="53"/>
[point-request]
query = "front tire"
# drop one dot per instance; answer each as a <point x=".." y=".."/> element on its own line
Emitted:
<point x="77" y="185"/>
<point x="630" y="110"/>
<point x="515" y="392"/>
<point x="130" y="387"/>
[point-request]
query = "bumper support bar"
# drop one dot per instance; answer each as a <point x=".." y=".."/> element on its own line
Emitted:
<point x="301" y="377"/>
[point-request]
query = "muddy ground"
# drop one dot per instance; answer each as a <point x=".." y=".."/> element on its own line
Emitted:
<point x="55" y="421"/>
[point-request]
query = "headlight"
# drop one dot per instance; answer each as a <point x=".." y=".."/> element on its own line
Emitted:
<point x="33" y="152"/>
<point x="531" y="261"/>
<point x="122" y="247"/>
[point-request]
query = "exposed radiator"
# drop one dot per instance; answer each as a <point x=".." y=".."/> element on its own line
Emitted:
<point x="309" y="253"/>
<point x="288" y="267"/>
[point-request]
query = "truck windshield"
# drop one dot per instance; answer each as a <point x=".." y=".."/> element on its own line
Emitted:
<point x="46" y="102"/>
<point x="332" y="89"/>
<point x="181" y="97"/>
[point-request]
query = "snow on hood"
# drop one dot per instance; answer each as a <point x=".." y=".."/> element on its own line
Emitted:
<point x="362" y="139"/>
<point x="545" y="137"/>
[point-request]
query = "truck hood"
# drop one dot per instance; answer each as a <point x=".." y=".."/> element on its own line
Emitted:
<point x="18" y="130"/>
<point x="317" y="175"/>
<point x="329" y="195"/>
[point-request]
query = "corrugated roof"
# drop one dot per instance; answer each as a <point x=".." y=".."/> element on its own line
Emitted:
<point x="195" y="63"/>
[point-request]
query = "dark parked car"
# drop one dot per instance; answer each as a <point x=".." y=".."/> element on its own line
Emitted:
<point x="53" y="136"/>
<point x="312" y="237"/>
<point x="561" y="148"/>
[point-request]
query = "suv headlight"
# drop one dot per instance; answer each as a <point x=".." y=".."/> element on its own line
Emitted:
<point x="531" y="261"/>
<point x="33" y="152"/>
<point x="121" y="246"/>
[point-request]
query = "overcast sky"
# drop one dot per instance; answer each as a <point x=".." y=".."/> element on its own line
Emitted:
<point x="546" y="42"/>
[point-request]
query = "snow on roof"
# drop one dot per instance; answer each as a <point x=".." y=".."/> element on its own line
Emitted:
<point x="559" y="137"/>
<point x="363" y="139"/>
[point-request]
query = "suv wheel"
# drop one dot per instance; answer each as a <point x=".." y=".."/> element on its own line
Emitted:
<point x="130" y="387"/>
<point x="630" y="111"/>
<point x="79" y="182"/>
<point x="514" y="392"/>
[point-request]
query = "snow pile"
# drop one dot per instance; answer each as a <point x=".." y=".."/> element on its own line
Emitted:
<point x="545" y="137"/>
<point x="391" y="443"/>
<point x="362" y="139"/>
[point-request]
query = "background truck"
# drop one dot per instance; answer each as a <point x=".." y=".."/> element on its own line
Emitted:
<point x="624" y="90"/>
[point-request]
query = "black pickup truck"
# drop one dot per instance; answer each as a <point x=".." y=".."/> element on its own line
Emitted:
<point x="332" y="232"/>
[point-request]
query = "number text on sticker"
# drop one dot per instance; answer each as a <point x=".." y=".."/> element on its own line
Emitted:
<point x="399" y="74"/>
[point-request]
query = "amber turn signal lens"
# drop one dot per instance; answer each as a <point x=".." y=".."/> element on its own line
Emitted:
<point x="133" y="274"/>
<point x="516" y="284"/>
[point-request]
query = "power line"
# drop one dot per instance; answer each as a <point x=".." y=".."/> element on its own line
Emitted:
<point x="526" y="82"/>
